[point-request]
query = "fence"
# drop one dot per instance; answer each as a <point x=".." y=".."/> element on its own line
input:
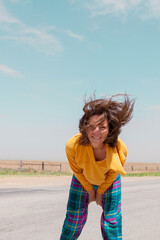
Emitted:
<point x="142" y="167"/>
<point x="64" y="166"/>
<point x="36" y="165"/>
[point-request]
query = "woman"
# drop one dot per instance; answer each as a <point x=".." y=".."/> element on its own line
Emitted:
<point x="97" y="156"/>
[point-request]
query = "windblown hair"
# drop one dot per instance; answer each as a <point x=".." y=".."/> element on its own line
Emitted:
<point x="117" y="113"/>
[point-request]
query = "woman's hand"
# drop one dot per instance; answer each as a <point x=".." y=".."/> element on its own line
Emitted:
<point x="99" y="199"/>
<point x="92" y="196"/>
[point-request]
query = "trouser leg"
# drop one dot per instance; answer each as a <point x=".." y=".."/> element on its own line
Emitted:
<point x="77" y="210"/>
<point x="111" y="219"/>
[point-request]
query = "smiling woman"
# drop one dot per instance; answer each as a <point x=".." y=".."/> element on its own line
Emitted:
<point x="97" y="156"/>
<point x="116" y="113"/>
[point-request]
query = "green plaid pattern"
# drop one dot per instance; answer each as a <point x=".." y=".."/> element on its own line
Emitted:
<point x="77" y="210"/>
<point x="111" y="219"/>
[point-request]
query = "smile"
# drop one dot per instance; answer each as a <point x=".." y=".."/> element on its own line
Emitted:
<point x="96" y="138"/>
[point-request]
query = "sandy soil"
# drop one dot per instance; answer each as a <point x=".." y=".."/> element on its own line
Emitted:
<point x="31" y="181"/>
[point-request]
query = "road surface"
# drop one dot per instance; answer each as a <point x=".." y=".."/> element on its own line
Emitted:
<point x="36" y="212"/>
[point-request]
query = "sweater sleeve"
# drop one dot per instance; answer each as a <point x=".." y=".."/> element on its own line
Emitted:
<point x="78" y="172"/>
<point x="110" y="178"/>
<point x="122" y="151"/>
<point x="117" y="167"/>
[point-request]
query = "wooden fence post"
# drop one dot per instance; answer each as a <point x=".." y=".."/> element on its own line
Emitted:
<point x="42" y="166"/>
<point x="21" y="165"/>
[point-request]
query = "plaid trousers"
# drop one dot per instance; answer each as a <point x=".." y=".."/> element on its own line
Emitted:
<point x="77" y="210"/>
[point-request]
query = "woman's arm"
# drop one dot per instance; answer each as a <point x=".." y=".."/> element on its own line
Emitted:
<point x="91" y="195"/>
<point x="78" y="172"/>
<point x="116" y="165"/>
<point x="110" y="178"/>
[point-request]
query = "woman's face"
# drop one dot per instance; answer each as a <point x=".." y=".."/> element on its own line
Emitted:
<point x="97" y="131"/>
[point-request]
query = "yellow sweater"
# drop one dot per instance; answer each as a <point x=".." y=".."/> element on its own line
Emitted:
<point x="90" y="172"/>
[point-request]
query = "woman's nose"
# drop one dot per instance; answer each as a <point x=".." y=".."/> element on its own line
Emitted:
<point x="96" y="129"/>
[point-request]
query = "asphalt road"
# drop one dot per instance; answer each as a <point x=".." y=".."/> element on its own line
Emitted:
<point x="37" y="213"/>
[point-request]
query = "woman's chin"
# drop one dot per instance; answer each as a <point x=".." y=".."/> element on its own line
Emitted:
<point x="96" y="143"/>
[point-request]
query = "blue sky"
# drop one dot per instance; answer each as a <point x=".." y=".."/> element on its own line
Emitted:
<point x="53" y="53"/>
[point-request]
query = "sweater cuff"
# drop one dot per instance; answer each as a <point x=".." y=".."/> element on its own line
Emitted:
<point x="87" y="186"/>
<point x="101" y="190"/>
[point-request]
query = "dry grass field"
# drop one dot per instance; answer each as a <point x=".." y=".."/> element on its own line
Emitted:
<point x="53" y="166"/>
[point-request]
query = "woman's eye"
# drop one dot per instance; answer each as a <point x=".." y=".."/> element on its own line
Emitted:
<point x="102" y="127"/>
<point x="91" y="128"/>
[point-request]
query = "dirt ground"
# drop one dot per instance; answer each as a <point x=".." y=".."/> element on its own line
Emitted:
<point x="34" y="181"/>
<point x="31" y="181"/>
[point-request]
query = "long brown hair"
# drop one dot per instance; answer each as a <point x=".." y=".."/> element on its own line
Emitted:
<point x="117" y="113"/>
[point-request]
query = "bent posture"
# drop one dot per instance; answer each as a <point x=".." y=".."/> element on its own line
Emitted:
<point x="96" y="156"/>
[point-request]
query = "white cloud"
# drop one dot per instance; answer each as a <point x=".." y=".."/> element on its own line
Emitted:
<point x="68" y="32"/>
<point x="39" y="39"/>
<point x="5" y="17"/>
<point x="9" y="71"/>
<point x="142" y="8"/>
<point x="153" y="7"/>
<point x="73" y="35"/>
